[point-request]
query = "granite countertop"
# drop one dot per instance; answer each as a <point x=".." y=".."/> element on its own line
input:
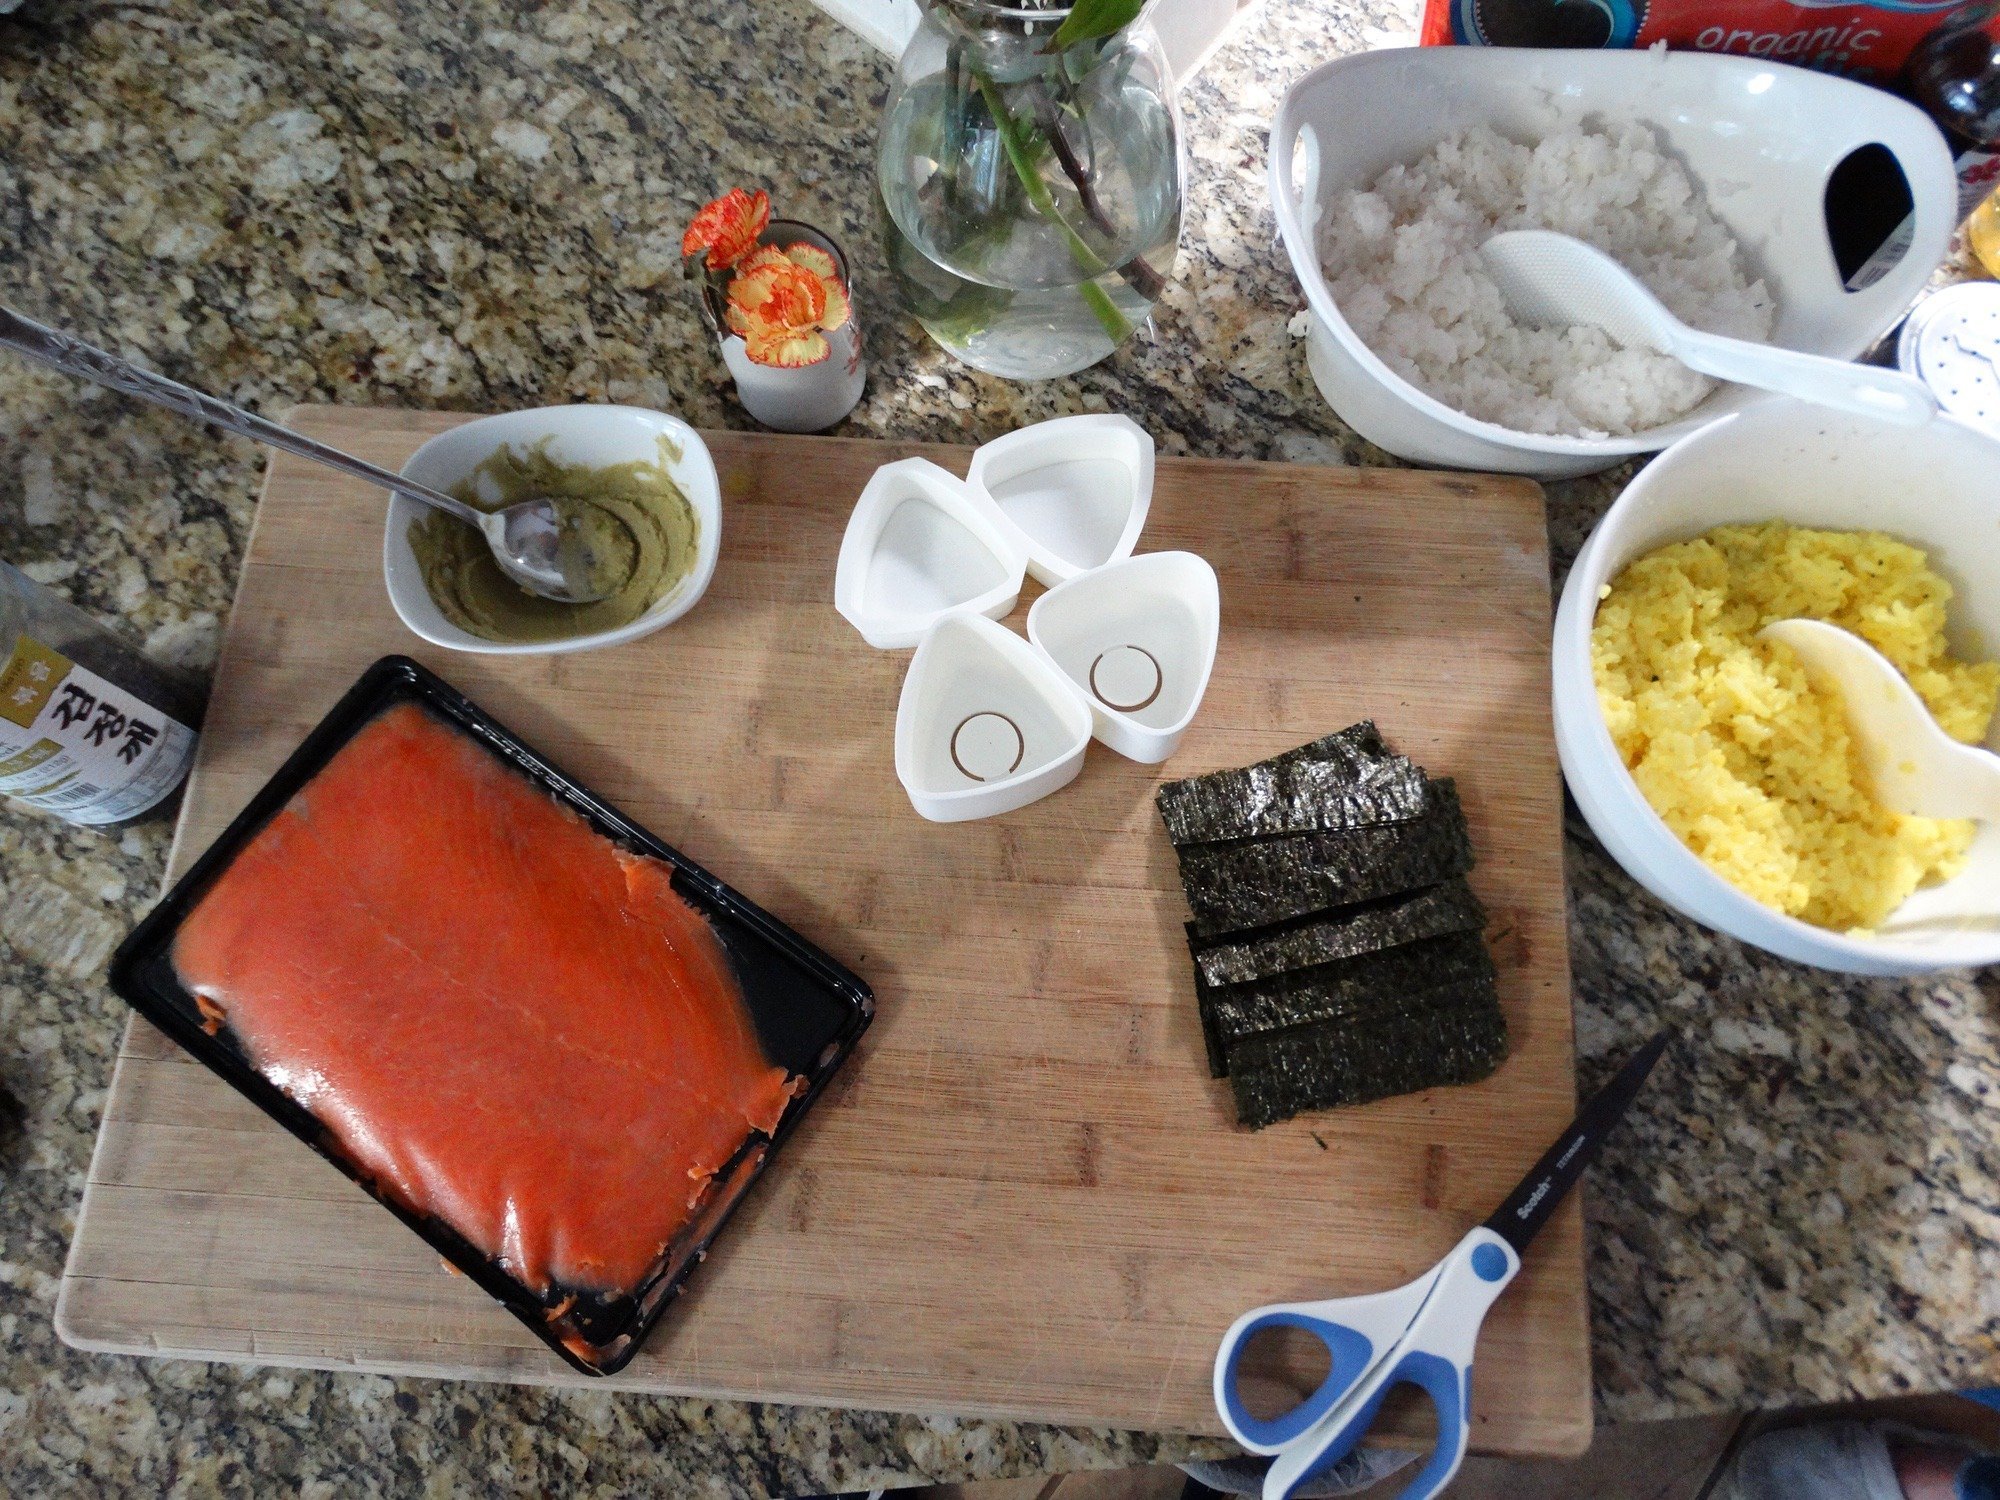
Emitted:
<point x="477" y="206"/>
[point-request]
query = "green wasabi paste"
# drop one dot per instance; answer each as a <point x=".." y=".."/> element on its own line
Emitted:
<point x="632" y="519"/>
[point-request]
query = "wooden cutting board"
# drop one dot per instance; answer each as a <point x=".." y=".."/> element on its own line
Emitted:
<point x="1025" y="1197"/>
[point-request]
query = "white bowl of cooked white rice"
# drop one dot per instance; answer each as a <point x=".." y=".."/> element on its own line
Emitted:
<point x="1706" y="175"/>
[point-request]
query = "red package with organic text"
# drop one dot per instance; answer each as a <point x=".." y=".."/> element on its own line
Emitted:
<point x="1866" y="39"/>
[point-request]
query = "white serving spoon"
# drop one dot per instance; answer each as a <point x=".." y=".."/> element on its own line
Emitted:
<point x="1917" y="768"/>
<point x="1552" y="280"/>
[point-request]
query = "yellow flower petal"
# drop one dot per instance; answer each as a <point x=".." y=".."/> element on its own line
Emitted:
<point x="786" y="349"/>
<point x="814" y="259"/>
<point x="758" y="259"/>
<point x="839" y="306"/>
<point x="780" y="292"/>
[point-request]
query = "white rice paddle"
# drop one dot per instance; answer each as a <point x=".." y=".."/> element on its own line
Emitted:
<point x="1552" y="280"/>
<point x="1917" y="768"/>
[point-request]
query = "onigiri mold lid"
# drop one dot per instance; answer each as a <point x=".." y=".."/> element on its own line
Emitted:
<point x="985" y="723"/>
<point x="1136" y="639"/>
<point x="920" y="546"/>
<point x="1074" y="491"/>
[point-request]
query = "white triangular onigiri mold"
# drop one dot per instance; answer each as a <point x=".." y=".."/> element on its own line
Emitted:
<point x="1073" y="492"/>
<point x="1137" y="638"/>
<point x="985" y="724"/>
<point x="918" y="547"/>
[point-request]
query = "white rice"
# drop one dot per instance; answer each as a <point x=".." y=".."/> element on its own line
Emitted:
<point x="1402" y="260"/>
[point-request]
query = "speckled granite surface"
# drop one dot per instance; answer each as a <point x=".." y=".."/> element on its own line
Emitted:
<point x="470" y="205"/>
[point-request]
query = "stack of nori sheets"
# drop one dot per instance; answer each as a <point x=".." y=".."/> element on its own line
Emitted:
<point x="1337" y="948"/>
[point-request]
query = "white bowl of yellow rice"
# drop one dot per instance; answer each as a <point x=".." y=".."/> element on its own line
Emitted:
<point x="1713" y="722"/>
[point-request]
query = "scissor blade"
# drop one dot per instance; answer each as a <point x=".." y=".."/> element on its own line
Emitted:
<point x="1528" y="1207"/>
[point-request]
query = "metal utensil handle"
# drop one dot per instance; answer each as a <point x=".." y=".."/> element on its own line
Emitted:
<point x="72" y="356"/>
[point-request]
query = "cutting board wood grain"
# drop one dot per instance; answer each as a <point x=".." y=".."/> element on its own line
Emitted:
<point x="1024" y="1197"/>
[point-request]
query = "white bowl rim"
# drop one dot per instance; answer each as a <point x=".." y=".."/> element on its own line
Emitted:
<point x="705" y="496"/>
<point x="1294" y="234"/>
<point x="1747" y="913"/>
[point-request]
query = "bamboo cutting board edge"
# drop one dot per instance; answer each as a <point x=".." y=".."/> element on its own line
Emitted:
<point x="91" y="1314"/>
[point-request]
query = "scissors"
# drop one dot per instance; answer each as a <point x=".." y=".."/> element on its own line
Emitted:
<point x="1421" y="1334"/>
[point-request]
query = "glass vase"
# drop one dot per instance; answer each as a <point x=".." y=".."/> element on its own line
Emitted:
<point x="1031" y="195"/>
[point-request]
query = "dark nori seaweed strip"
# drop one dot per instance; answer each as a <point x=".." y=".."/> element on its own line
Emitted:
<point x="1349" y="756"/>
<point x="1358" y="745"/>
<point x="1434" y="796"/>
<point x="1338" y="956"/>
<point x="1261" y="881"/>
<point x="1458" y="1037"/>
<point x="1350" y="990"/>
<point x="1300" y="796"/>
<point x="1345" y="932"/>
<point x="1211" y="1039"/>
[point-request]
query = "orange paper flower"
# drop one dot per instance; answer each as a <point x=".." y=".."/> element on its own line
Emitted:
<point x="785" y="302"/>
<point x="727" y="229"/>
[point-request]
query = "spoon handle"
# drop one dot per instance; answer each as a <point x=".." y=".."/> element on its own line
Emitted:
<point x="1886" y="395"/>
<point x="72" y="356"/>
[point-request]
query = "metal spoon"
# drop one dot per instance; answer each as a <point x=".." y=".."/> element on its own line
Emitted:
<point x="529" y="540"/>
<point x="1553" y="280"/>
<point x="1916" y="767"/>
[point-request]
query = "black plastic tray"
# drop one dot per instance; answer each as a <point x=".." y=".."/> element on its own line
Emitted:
<point x="809" y="1011"/>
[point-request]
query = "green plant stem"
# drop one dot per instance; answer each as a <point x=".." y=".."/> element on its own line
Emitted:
<point x="1142" y="278"/>
<point x="1088" y="261"/>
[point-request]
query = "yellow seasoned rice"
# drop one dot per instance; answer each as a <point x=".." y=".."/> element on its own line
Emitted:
<point x="1745" y="760"/>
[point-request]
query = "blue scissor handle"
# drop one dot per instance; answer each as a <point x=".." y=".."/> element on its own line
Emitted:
<point x="1349" y="1352"/>
<point x="1450" y="1388"/>
<point x="1420" y="1334"/>
<point x="1356" y="1331"/>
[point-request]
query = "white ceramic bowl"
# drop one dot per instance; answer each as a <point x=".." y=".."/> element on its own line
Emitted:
<point x="1761" y="140"/>
<point x="593" y="435"/>
<point x="1783" y="460"/>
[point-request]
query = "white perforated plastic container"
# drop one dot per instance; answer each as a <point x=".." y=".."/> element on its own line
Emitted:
<point x="1952" y="344"/>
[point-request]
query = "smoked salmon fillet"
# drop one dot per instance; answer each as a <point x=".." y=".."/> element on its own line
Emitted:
<point x="504" y="1019"/>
